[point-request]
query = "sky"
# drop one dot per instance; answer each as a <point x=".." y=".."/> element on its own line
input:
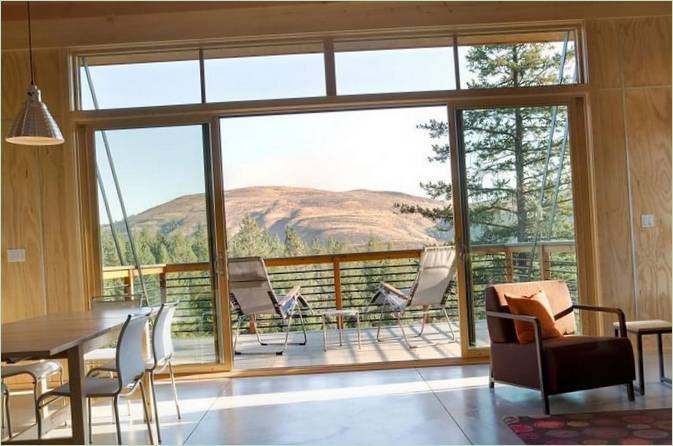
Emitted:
<point x="337" y="151"/>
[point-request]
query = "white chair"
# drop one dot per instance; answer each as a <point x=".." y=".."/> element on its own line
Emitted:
<point x="251" y="294"/>
<point x="129" y="369"/>
<point x="436" y="271"/>
<point x="162" y="354"/>
<point x="38" y="371"/>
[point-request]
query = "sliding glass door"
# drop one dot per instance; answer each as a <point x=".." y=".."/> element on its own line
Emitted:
<point x="154" y="227"/>
<point x="517" y="196"/>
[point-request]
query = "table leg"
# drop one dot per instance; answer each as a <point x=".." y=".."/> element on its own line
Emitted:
<point x="76" y="375"/>
<point x="641" y="375"/>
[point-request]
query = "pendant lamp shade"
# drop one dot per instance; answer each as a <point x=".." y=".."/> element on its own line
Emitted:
<point x="34" y="126"/>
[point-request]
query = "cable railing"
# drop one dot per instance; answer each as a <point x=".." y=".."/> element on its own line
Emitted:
<point x="345" y="280"/>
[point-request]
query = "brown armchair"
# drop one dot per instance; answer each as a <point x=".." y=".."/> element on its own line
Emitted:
<point x="556" y="365"/>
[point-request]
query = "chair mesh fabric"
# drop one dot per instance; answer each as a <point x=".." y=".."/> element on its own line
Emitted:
<point x="130" y="356"/>
<point x="250" y="286"/>
<point x="436" y="270"/>
<point x="162" y="338"/>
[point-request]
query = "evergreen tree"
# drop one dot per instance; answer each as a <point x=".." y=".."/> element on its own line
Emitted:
<point x="294" y="244"/>
<point x="505" y="150"/>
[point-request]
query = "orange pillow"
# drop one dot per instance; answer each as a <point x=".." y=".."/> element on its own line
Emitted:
<point x="534" y="305"/>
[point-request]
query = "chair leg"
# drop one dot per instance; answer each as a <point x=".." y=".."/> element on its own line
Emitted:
<point x="38" y="419"/>
<point x="303" y="327"/>
<point x="378" y="329"/>
<point x="404" y="334"/>
<point x="287" y="334"/>
<point x="6" y="414"/>
<point x="238" y="332"/>
<point x="175" y="391"/>
<point x="545" y="399"/>
<point x="156" y="406"/>
<point x="448" y="320"/>
<point x="88" y="409"/>
<point x="630" y="392"/>
<point x="357" y="320"/>
<point x="491" y="381"/>
<point x="423" y="318"/>
<point x="147" y="414"/>
<point x="115" y="407"/>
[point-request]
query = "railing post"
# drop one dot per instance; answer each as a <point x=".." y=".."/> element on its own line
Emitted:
<point x="545" y="264"/>
<point x="162" y="286"/>
<point x="128" y="283"/>
<point x="252" y="324"/>
<point x="509" y="266"/>
<point x="338" y="302"/>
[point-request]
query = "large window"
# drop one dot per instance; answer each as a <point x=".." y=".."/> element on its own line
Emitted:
<point x="378" y="65"/>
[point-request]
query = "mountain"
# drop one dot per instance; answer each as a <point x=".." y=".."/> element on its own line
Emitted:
<point x="352" y="216"/>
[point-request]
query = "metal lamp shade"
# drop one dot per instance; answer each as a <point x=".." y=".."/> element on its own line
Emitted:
<point x="34" y="126"/>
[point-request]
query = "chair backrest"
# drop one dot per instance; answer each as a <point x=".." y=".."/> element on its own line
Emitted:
<point x="502" y="330"/>
<point x="250" y="287"/>
<point x="436" y="270"/>
<point x="130" y="358"/>
<point x="162" y="336"/>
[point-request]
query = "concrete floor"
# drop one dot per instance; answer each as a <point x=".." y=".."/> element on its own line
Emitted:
<point x="443" y="405"/>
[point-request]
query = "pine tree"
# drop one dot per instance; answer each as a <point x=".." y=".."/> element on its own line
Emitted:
<point x="505" y="149"/>
<point x="294" y="244"/>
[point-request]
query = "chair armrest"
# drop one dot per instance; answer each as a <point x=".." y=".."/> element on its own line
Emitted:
<point x="393" y="290"/>
<point x="294" y="292"/>
<point x="538" y="338"/>
<point x="613" y="310"/>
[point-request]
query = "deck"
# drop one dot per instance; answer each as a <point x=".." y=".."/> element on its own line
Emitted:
<point x="435" y="343"/>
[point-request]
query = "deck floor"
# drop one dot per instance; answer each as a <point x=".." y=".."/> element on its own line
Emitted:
<point x="436" y="342"/>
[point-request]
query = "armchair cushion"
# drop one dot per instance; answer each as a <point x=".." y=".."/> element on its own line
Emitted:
<point x="570" y="363"/>
<point x="586" y="362"/>
<point x="536" y="305"/>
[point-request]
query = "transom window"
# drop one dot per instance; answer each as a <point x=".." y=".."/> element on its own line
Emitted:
<point x="344" y="66"/>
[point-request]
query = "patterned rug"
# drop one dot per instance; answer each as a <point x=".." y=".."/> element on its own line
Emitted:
<point x="652" y="426"/>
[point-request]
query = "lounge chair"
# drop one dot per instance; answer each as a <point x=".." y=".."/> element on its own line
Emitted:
<point x="251" y="294"/>
<point x="436" y="271"/>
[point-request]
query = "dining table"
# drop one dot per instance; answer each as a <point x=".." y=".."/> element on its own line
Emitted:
<point x="67" y="335"/>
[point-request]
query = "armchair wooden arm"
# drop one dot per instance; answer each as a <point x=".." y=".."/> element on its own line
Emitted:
<point x="613" y="310"/>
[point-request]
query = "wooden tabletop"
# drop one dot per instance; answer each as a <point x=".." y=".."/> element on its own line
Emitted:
<point x="53" y="334"/>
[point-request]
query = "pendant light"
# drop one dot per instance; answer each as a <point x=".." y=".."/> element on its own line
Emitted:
<point x="34" y="126"/>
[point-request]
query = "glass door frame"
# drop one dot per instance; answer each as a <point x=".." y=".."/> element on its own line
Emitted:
<point x="574" y="98"/>
<point x="580" y="161"/>
<point x="88" y="189"/>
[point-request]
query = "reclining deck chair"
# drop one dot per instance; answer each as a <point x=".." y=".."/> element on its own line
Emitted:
<point x="436" y="271"/>
<point x="251" y="294"/>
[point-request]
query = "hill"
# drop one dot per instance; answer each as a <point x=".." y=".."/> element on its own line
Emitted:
<point x="351" y="216"/>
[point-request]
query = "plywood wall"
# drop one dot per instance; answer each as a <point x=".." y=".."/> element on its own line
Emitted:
<point x="630" y="79"/>
<point x="38" y="199"/>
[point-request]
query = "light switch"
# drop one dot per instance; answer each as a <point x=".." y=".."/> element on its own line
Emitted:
<point x="16" y="255"/>
<point x="647" y="220"/>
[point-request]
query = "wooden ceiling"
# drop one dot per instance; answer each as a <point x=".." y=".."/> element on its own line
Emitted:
<point x="51" y="10"/>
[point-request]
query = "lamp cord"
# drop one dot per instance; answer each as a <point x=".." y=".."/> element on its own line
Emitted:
<point x="30" y="47"/>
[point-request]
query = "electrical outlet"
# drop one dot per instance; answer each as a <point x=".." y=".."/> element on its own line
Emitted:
<point x="647" y="220"/>
<point x="16" y="255"/>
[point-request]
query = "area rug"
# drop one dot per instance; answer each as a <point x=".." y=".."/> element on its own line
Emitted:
<point x="652" y="426"/>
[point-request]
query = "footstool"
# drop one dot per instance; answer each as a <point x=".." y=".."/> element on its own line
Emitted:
<point x="644" y="328"/>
